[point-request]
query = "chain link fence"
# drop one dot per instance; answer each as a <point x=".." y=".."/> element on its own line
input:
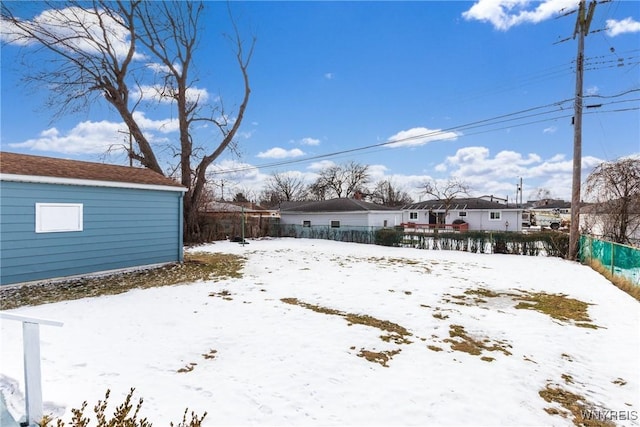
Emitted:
<point x="620" y="260"/>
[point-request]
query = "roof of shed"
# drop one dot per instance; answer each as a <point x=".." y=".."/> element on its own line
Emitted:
<point x="458" y="204"/>
<point x="334" y="205"/>
<point x="28" y="165"/>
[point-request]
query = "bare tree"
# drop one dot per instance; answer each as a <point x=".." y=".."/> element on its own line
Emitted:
<point x="284" y="187"/>
<point x="614" y="190"/>
<point x="446" y="191"/>
<point x="96" y="51"/>
<point x="387" y="193"/>
<point x="540" y="194"/>
<point x="340" y="181"/>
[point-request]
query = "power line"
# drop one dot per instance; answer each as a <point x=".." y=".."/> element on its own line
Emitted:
<point x="497" y="120"/>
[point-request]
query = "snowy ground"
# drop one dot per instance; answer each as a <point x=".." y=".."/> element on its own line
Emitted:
<point x="235" y="349"/>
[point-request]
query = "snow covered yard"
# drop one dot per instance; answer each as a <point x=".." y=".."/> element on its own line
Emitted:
<point x="328" y="333"/>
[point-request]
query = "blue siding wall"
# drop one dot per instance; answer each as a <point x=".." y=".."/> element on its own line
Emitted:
<point x="122" y="228"/>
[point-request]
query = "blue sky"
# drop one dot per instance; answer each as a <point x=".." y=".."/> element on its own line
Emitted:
<point x="486" y="83"/>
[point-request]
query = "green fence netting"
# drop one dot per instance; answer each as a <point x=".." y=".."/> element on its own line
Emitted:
<point x="620" y="260"/>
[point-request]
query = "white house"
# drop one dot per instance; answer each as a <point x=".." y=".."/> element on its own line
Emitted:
<point x="487" y="214"/>
<point x="339" y="213"/>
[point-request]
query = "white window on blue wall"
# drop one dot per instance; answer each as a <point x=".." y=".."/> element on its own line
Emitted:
<point x="58" y="217"/>
<point x="413" y="215"/>
<point x="335" y="224"/>
<point x="495" y="215"/>
<point x="462" y="213"/>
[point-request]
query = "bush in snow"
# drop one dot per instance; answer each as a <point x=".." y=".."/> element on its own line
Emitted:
<point x="388" y="237"/>
<point x="120" y="417"/>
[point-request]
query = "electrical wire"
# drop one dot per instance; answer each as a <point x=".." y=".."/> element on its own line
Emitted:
<point x="490" y="122"/>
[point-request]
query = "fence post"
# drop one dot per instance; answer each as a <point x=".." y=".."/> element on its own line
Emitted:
<point x="613" y="249"/>
<point x="32" y="372"/>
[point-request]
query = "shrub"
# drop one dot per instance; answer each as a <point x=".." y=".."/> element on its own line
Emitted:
<point x="388" y="237"/>
<point x="121" y="416"/>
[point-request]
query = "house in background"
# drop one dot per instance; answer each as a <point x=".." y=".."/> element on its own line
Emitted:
<point x="339" y="213"/>
<point x="486" y="213"/>
<point x="63" y="218"/>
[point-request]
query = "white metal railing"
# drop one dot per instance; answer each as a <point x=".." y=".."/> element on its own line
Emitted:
<point x="31" y="353"/>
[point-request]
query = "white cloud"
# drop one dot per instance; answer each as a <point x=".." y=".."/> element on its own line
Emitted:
<point x="550" y="129"/>
<point x="162" y="94"/>
<point x="162" y="68"/>
<point x="504" y="14"/>
<point x="441" y="168"/>
<point x="627" y="25"/>
<point x="86" y="137"/>
<point x="74" y="28"/>
<point x="592" y="90"/>
<point x="309" y="141"/>
<point x="499" y="174"/>
<point x="329" y="76"/>
<point x="420" y="136"/>
<point x="280" y="153"/>
<point x="164" y="126"/>
<point x="322" y="164"/>
<point x="96" y="137"/>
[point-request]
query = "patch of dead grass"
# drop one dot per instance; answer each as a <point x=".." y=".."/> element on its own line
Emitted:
<point x="381" y="357"/>
<point x="621" y="282"/>
<point x="460" y="340"/>
<point x="574" y="405"/>
<point x="557" y="306"/>
<point x="395" y="333"/>
<point x="196" y="266"/>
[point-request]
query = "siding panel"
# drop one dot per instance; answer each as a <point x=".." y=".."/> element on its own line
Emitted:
<point x="122" y="228"/>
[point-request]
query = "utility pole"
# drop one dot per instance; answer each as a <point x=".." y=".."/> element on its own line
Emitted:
<point x="582" y="29"/>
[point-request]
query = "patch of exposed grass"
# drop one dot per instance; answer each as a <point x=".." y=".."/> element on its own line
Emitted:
<point x="621" y="282"/>
<point x="619" y="381"/>
<point x="440" y="316"/>
<point x="460" y="340"/>
<point x="187" y="368"/>
<point x="224" y="294"/>
<point x="196" y="266"/>
<point x="381" y="357"/>
<point x="434" y="348"/>
<point x="396" y="333"/>
<point x="558" y="306"/>
<point x="574" y="405"/>
<point x="482" y="292"/>
<point x="384" y="261"/>
<point x="210" y="355"/>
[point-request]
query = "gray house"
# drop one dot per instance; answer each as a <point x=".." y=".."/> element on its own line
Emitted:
<point x="63" y="218"/>
<point x="339" y="213"/>
<point x="487" y="214"/>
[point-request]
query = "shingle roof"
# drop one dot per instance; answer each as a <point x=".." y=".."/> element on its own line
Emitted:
<point x="335" y="205"/>
<point x="23" y="164"/>
<point x="457" y="204"/>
